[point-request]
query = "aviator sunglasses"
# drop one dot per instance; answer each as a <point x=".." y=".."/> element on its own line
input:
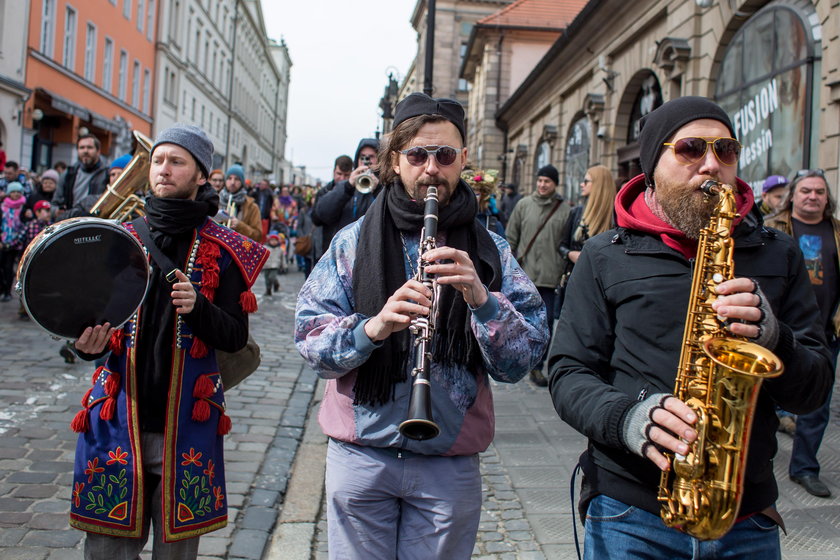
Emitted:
<point x="690" y="150"/>
<point x="419" y="155"/>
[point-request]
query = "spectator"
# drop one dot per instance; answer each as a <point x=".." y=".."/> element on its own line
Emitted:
<point x="246" y="215"/>
<point x="264" y="197"/>
<point x="510" y="196"/>
<point x="84" y="182"/>
<point x="773" y="194"/>
<point x="12" y="235"/>
<point x="217" y="180"/>
<point x="276" y="259"/>
<point x="10" y="174"/>
<point x="116" y="167"/>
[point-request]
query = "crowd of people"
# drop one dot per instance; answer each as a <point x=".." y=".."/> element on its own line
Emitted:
<point x="578" y="295"/>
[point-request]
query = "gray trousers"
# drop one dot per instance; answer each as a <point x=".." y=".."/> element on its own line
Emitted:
<point x="106" y="547"/>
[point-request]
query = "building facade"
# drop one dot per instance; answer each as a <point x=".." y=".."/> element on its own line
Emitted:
<point x="90" y="67"/>
<point x="763" y="61"/>
<point x="501" y="51"/>
<point x="13" y="91"/>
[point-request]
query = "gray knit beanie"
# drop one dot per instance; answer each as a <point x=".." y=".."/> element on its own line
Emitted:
<point x="192" y="139"/>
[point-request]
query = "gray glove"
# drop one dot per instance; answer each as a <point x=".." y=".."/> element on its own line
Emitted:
<point x="635" y="432"/>
<point x="768" y="326"/>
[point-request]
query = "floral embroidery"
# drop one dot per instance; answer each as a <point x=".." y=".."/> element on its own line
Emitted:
<point x="117" y="456"/>
<point x="93" y="469"/>
<point x="108" y="496"/>
<point x="191" y="458"/>
<point x="194" y="493"/>
<point x="209" y="470"/>
<point x="220" y="498"/>
<point x="77" y="491"/>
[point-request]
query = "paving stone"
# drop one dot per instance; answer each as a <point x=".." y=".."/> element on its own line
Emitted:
<point x="248" y="544"/>
<point x="48" y="521"/>
<point x="37" y="491"/>
<point x="67" y="538"/>
<point x="31" y="477"/>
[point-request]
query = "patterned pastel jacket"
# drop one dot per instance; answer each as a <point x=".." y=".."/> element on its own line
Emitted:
<point x="510" y="328"/>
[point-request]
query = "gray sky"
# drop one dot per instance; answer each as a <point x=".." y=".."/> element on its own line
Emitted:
<point x="341" y="53"/>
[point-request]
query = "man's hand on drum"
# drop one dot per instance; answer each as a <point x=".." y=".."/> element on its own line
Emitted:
<point x="183" y="293"/>
<point x="94" y="339"/>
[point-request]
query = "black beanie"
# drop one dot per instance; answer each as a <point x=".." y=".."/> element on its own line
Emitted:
<point x="661" y="123"/>
<point x="418" y="104"/>
<point x="551" y="172"/>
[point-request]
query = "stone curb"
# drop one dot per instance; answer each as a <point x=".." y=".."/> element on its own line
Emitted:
<point x="294" y="533"/>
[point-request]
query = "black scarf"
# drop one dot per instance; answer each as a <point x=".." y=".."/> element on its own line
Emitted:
<point x="176" y="216"/>
<point x="379" y="270"/>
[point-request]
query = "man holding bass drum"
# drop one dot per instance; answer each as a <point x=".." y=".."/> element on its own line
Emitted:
<point x="388" y="495"/>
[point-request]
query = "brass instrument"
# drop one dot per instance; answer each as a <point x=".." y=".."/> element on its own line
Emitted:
<point x="119" y="201"/>
<point x="719" y="377"/>
<point x="366" y="181"/>
<point x="419" y="424"/>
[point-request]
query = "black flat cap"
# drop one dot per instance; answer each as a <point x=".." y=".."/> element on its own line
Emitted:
<point x="418" y="104"/>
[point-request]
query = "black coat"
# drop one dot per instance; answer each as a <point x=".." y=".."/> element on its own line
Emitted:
<point x="63" y="196"/>
<point x="619" y="340"/>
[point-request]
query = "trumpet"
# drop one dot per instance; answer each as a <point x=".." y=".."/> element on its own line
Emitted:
<point x="366" y="181"/>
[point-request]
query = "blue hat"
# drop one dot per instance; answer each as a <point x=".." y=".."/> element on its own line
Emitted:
<point x="192" y="139"/>
<point x="121" y="162"/>
<point x="774" y="181"/>
<point x="14" y="186"/>
<point x="237" y="170"/>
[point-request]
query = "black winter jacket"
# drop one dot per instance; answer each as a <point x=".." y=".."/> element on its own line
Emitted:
<point x="619" y="340"/>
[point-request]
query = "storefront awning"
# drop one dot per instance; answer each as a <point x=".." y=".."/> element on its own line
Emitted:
<point x="65" y="105"/>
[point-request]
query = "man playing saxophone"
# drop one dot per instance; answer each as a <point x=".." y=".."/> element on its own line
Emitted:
<point x="389" y="496"/>
<point x="614" y="359"/>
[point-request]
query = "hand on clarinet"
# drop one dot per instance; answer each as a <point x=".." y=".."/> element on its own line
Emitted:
<point x="94" y="339"/>
<point x="410" y="300"/>
<point x="459" y="273"/>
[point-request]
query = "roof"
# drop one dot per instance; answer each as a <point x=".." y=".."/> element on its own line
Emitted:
<point x="535" y="13"/>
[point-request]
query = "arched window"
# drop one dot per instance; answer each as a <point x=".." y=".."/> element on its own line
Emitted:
<point x="765" y="84"/>
<point x="577" y="158"/>
<point x="542" y="157"/>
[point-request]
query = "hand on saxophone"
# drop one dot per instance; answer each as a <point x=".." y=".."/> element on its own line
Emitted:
<point x="660" y="422"/>
<point x="745" y="309"/>
<point x="411" y="299"/>
<point x="458" y="272"/>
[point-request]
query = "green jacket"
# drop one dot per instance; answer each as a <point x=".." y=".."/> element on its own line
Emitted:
<point x="543" y="264"/>
<point x="782" y="222"/>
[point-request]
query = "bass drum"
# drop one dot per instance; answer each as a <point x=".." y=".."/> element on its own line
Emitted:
<point x="82" y="272"/>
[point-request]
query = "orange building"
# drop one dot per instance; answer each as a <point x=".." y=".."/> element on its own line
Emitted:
<point x="90" y="66"/>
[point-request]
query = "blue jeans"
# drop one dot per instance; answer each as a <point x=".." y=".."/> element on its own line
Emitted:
<point x="810" y="429"/>
<point x="617" y="531"/>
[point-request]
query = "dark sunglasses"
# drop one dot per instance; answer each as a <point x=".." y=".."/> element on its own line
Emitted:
<point x="419" y="155"/>
<point x="692" y="149"/>
<point x="810" y="173"/>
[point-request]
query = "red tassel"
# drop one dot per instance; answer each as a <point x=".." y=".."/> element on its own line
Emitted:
<point x="116" y="342"/>
<point x="225" y="425"/>
<point x="108" y="408"/>
<point x="204" y="387"/>
<point x="96" y="374"/>
<point x="198" y="349"/>
<point x="81" y="422"/>
<point x="248" y="301"/>
<point x="201" y="411"/>
<point x="112" y="384"/>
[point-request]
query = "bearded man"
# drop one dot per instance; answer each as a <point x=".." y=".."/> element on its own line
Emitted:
<point x="614" y="360"/>
<point x="389" y="496"/>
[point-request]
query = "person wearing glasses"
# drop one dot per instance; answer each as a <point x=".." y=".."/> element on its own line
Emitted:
<point x="534" y="231"/>
<point x="614" y="359"/>
<point x="389" y="496"/>
<point x="807" y="214"/>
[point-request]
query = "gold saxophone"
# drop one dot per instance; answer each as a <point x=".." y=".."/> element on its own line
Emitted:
<point x="719" y="376"/>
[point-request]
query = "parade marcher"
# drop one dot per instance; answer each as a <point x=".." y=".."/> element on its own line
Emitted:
<point x="614" y="360"/>
<point x="117" y="167"/>
<point x="246" y="214"/>
<point x="533" y="231"/>
<point x="773" y="193"/>
<point x="345" y="203"/>
<point x="807" y="214"/>
<point x="12" y="234"/>
<point x="82" y="183"/>
<point x="341" y="172"/>
<point x="217" y="180"/>
<point x="389" y="496"/>
<point x="150" y="431"/>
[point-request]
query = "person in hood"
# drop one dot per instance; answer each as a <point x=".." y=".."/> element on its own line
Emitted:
<point x="345" y="203"/>
<point x="613" y="363"/>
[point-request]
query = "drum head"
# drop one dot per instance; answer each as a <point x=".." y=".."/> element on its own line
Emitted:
<point x="84" y="274"/>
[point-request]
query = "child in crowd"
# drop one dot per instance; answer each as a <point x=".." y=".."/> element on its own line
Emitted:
<point x="12" y="232"/>
<point x="276" y="254"/>
<point x="43" y="218"/>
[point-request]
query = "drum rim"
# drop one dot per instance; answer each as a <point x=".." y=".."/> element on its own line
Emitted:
<point x="69" y="225"/>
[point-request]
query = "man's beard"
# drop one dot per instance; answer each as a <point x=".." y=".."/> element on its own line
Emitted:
<point x="445" y="190"/>
<point x="685" y="207"/>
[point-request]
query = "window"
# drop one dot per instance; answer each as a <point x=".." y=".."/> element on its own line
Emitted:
<point x="48" y="28"/>
<point x="127" y="9"/>
<point x="90" y="53"/>
<point x="121" y="85"/>
<point x="174" y="20"/>
<point x="578" y="145"/>
<point x="141" y="15"/>
<point x="192" y="115"/>
<point x="146" y="79"/>
<point x="69" y="39"/>
<point x="150" y="21"/>
<point x="108" y="65"/>
<point x="135" y="85"/>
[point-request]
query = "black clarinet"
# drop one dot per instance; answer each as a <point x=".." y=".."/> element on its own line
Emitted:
<point x="419" y="424"/>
